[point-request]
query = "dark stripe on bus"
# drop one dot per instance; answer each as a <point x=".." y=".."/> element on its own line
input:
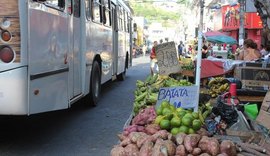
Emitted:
<point x="12" y="69"/>
<point x="45" y="74"/>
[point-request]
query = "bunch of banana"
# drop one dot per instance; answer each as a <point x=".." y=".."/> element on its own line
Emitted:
<point x="218" y="86"/>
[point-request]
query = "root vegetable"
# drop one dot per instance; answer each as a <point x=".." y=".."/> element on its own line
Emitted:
<point x="255" y="147"/>
<point x="209" y="145"/>
<point x="134" y="136"/>
<point x="121" y="137"/>
<point x="125" y="142"/>
<point x="191" y="141"/>
<point x="202" y="132"/>
<point x="205" y="154"/>
<point x="180" y="138"/>
<point x="152" y="129"/>
<point x="250" y="150"/>
<point x="223" y="154"/>
<point x="146" y="116"/>
<point x="132" y="150"/>
<point x="196" y="151"/>
<point x="146" y="149"/>
<point x="118" y="151"/>
<point x="163" y="134"/>
<point x="170" y="147"/>
<point x="142" y="139"/>
<point x="228" y="147"/>
<point x="246" y="154"/>
<point x="171" y="137"/>
<point x="160" y="149"/>
<point x="181" y="151"/>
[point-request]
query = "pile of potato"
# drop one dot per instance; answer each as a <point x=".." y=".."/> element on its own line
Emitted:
<point x="163" y="143"/>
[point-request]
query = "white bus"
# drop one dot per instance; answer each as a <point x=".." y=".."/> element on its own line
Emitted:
<point x="55" y="52"/>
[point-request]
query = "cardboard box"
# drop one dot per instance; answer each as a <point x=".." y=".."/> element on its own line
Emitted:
<point x="253" y="75"/>
<point x="264" y="115"/>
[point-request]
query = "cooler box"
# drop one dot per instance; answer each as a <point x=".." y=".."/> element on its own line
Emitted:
<point x="222" y="53"/>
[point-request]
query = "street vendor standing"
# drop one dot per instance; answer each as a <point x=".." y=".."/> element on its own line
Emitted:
<point x="249" y="52"/>
<point x="153" y="59"/>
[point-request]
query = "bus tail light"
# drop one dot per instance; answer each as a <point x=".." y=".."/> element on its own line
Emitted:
<point x="6" y="36"/>
<point x="6" y="54"/>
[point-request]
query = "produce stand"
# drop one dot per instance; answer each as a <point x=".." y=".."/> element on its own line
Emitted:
<point x="227" y="123"/>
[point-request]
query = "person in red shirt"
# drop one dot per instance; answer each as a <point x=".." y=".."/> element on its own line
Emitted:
<point x="153" y="59"/>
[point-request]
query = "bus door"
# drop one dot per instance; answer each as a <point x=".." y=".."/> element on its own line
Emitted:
<point x="75" y="75"/>
<point x="115" y="39"/>
<point x="48" y="48"/>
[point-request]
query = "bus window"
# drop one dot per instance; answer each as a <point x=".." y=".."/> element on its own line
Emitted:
<point x="76" y="8"/>
<point x="120" y="18"/>
<point x="87" y="9"/>
<point x="59" y="3"/>
<point x="107" y="14"/>
<point x="96" y="11"/>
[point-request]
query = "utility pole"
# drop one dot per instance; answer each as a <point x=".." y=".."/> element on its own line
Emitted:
<point x="242" y="22"/>
<point x="199" y="54"/>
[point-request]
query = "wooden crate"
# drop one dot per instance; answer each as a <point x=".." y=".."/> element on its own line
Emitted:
<point x="253" y="76"/>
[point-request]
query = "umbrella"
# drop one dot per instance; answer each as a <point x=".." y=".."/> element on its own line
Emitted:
<point x="218" y="37"/>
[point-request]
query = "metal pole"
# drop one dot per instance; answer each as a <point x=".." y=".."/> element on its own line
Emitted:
<point x="199" y="54"/>
<point x="242" y="22"/>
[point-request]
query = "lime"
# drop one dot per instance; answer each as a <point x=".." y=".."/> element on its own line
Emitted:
<point x="159" y="111"/>
<point x="165" y="124"/>
<point x="180" y="109"/>
<point x="186" y="121"/>
<point x="158" y="119"/>
<point x="183" y="129"/>
<point x="191" y="131"/>
<point x="169" y="116"/>
<point x="181" y="114"/>
<point x="195" y="115"/>
<point x="175" y="122"/>
<point x="172" y="108"/>
<point x="165" y="104"/>
<point x="189" y="115"/>
<point x="174" y="131"/>
<point x="166" y="111"/>
<point x="196" y="124"/>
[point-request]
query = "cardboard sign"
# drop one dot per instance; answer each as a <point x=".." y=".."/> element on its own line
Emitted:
<point x="264" y="115"/>
<point x="182" y="96"/>
<point x="167" y="58"/>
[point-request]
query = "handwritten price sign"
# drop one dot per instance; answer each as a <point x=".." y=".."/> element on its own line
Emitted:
<point x="167" y="58"/>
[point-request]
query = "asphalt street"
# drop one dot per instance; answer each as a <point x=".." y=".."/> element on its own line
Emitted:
<point x="78" y="131"/>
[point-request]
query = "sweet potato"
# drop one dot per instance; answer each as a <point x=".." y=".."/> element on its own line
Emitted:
<point x="121" y="137"/>
<point x="145" y="116"/>
<point x="170" y="147"/>
<point x="160" y="149"/>
<point x="152" y="129"/>
<point x="223" y="154"/>
<point x="172" y="138"/>
<point x="118" y="151"/>
<point x="205" y="154"/>
<point x="132" y="150"/>
<point x="180" y="138"/>
<point x="181" y="151"/>
<point x="146" y="149"/>
<point x="228" y="147"/>
<point x="209" y="145"/>
<point x="125" y="142"/>
<point x="196" y="151"/>
<point x="163" y="134"/>
<point x="191" y="141"/>
<point x="202" y="132"/>
<point x="142" y="139"/>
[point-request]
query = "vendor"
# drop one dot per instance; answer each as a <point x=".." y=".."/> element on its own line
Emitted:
<point x="249" y="52"/>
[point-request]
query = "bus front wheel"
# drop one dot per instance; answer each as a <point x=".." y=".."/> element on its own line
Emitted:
<point x="95" y="84"/>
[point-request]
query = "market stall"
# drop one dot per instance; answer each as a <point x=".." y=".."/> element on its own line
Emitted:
<point x="165" y="120"/>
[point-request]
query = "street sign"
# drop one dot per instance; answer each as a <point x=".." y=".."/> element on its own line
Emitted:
<point x="182" y="96"/>
<point x="167" y="58"/>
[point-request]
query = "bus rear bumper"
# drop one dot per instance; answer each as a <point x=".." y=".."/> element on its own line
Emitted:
<point x="14" y="92"/>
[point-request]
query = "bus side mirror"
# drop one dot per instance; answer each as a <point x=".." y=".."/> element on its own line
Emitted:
<point x="134" y="27"/>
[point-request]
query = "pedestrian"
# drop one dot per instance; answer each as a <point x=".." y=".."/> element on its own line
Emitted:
<point x="180" y="49"/>
<point x="263" y="51"/>
<point x="153" y="59"/>
<point x="144" y="50"/>
<point x="250" y="52"/>
<point x="204" y="51"/>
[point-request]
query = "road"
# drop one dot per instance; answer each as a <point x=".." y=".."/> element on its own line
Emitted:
<point x="78" y="131"/>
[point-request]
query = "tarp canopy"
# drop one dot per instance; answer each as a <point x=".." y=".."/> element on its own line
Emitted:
<point x="219" y="37"/>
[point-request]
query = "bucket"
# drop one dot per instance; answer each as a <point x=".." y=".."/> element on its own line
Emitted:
<point x="251" y="110"/>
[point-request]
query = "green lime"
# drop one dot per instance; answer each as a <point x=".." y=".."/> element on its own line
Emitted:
<point x="191" y="131"/>
<point x="165" y="104"/>
<point x="181" y="114"/>
<point x="195" y="115"/>
<point x="174" y="131"/>
<point x="169" y="116"/>
<point x="189" y="115"/>
<point x="165" y="124"/>
<point x="187" y="121"/>
<point x="159" y="111"/>
<point x="196" y="124"/>
<point x="172" y="108"/>
<point x="183" y="129"/>
<point x="175" y="122"/>
<point x="158" y="119"/>
<point x="180" y="109"/>
<point x="166" y="111"/>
